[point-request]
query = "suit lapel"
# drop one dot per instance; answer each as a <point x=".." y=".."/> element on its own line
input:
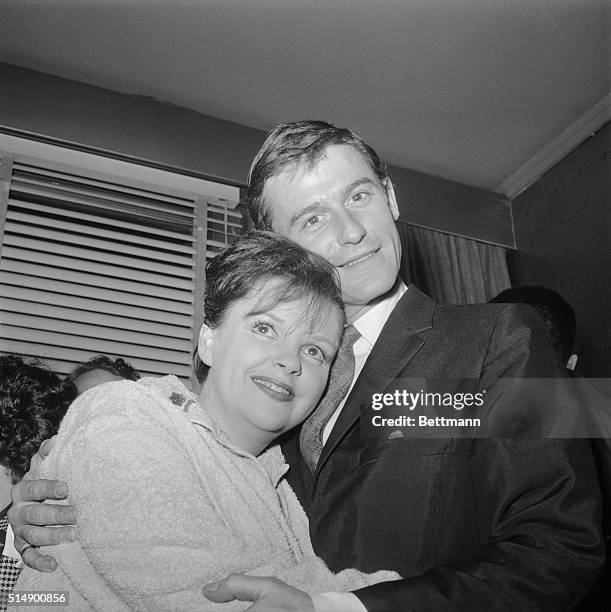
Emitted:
<point x="397" y="344"/>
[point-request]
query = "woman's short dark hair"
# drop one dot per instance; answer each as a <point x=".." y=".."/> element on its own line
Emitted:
<point x="292" y="143"/>
<point x="261" y="256"/>
<point x="33" y="401"/>
<point x="118" y="366"/>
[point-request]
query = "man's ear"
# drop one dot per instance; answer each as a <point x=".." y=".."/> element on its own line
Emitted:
<point x="204" y="345"/>
<point x="572" y="362"/>
<point x="392" y="200"/>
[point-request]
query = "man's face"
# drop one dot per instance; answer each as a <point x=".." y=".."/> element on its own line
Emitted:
<point x="339" y="209"/>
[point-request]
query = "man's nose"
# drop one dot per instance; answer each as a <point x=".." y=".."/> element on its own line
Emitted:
<point x="350" y="230"/>
<point x="288" y="361"/>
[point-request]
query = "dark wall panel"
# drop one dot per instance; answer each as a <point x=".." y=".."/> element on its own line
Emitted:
<point x="563" y="236"/>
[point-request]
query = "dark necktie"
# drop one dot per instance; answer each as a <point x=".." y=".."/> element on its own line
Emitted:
<point x="340" y="379"/>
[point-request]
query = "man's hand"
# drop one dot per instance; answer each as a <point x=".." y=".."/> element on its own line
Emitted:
<point x="37" y="524"/>
<point x="268" y="594"/>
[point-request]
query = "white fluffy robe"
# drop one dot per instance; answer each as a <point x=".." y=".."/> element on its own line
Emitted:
<point x="166" y="504"/>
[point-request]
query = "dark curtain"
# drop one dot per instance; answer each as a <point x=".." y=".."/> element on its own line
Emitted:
<point x="451" y="269"/>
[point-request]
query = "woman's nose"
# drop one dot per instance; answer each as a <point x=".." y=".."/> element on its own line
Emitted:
<point x="289" y="361"/>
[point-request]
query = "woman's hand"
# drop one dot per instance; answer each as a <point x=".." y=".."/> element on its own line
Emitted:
<point x="37" y="524"/>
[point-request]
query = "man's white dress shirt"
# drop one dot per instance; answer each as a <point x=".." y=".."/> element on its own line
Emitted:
<point x="369" y="326"/>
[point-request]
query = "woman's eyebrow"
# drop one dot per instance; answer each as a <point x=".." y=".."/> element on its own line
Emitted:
<point x="266" y="312"/>
<point x="324" y="340"/>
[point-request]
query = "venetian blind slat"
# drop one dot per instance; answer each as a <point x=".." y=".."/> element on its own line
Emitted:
<point x="125" y="232"/>
<point x="103" y="194"/>
<point x="62" y="326"/>
<point x="24" y="173"/>
<point x="23" y="257"/>
<point x="103" y="294"/>
<point x="109" y="256"/>
<point x="53" y="314"/>
<point x="105" y="307"/>
<point x="93" y="279"/>
<point x="59" y="236"/>
<point x="86" y="343"/>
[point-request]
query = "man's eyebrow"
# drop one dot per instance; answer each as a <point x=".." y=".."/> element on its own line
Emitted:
<point x="365" y="180"/>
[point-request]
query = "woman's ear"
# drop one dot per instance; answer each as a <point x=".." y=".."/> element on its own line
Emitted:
<point x="204" y="345"/>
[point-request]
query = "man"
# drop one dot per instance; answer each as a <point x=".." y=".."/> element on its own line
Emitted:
<point x="469" y="523"/>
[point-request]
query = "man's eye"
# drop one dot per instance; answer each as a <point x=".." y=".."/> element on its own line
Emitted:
<point x="313" y="220"/>
<point x="314" y="352"/>
<point x="359" y="196"/>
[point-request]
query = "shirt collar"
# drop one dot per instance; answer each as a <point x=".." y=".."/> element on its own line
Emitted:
<point x="371" y="323"/>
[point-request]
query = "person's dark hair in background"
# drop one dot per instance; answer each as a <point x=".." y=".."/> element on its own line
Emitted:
<point x="33" y="401"/>
<point x="555" y="310"/>
<point x="118" y="366"/>
<point x="98" y="370"/>
<point x="292" y="143"/>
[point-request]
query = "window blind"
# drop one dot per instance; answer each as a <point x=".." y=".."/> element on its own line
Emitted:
<point x="91" y="266"/>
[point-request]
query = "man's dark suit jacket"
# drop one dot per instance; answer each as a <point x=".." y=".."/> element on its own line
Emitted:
<point x="471" y="524"/>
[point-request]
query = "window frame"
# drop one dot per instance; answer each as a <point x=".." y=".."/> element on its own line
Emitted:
<point x="130" y="174"/>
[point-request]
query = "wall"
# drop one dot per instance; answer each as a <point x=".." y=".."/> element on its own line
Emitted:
<point x="563" y="236"/>
<point x="165" y="135"/>
<point x="133" y="126"/>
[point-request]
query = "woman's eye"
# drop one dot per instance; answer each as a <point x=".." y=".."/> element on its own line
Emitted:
<point x="314" y="352"/>
<point x="263" y="328"/>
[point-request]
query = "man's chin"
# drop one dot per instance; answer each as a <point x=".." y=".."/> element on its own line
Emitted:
<point x="368" y="293"/>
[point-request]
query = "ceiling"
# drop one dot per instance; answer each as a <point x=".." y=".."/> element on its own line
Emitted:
<point x="464" y="89"/>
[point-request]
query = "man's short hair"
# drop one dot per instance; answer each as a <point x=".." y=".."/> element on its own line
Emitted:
<point x="294" y="143"/>
<point x="557" y="312"/>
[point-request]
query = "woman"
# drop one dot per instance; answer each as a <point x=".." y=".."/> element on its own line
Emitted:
<point x="172" y="493"/>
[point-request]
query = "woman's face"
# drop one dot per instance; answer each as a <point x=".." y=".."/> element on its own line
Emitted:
<point x="269" y="367"/>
